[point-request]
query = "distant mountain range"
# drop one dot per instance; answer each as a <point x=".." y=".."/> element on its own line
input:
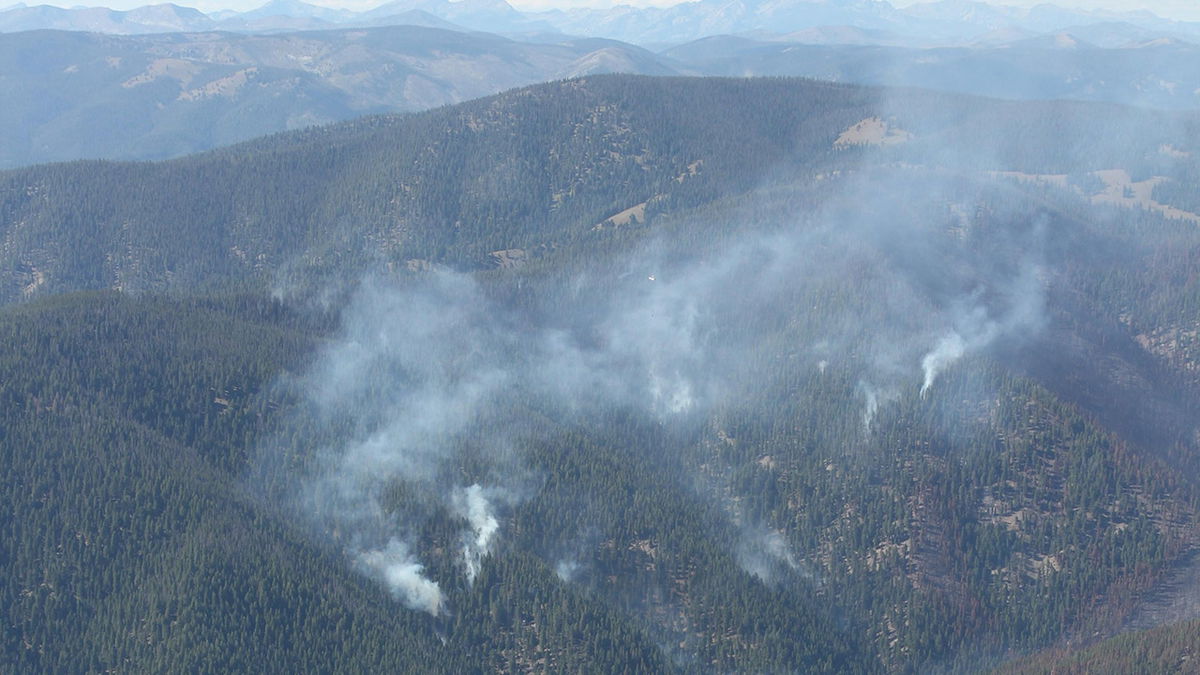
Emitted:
<point x="72" y="95"/>
<point x="164" y="80"/>
<point x="84" y="95"/>
<point x="1157" y="73"/>
<point x="947" y="22"/>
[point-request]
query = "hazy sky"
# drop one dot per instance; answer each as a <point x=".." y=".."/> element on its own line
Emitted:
<point x="1176" y="9"/>
<point x="1187" y="10"/>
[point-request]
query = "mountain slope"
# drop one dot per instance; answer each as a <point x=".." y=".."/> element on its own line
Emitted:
<point x="127" y="535"/>
<point x="135" y="541"/>
<point x="150" y="97"/>
<point x="515" y="171"/>
<point x="719" y="375"/>
<point x="522" y="170"/>
<point x="1167" y="649"/>
<point x="76" y="95"/>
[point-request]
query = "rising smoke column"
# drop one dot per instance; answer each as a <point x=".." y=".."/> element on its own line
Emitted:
<point x="403" y="576"/>
<point x="764" y="553"/>
<point x="472" y="504"/>
<point x="393" y="401"/>
<point x="874" y="397"/>
<point x="974" y="328"/>
<point x="948" y="349"/>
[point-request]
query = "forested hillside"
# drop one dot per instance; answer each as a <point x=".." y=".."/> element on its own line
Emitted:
<point x="522" y="170"/>
<point x="615" y="373"/>
<point x="74" y="95"/>
<point x="1167" y="649"/>
<point x="531" y="169"/>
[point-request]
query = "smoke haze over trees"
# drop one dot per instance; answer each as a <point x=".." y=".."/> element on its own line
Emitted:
<point x="694" y="374"/>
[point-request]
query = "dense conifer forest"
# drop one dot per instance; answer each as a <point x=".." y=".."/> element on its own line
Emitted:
<point x="611" y="374"/>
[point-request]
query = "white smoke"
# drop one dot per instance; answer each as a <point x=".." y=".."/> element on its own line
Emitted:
<point x="948" y="349"/>
<point x="472" y="504"/>
<point x="395" y="566"/>
<point x="875" y="396"/>
<point x="662" y="330"/>
<point x="975" y="328"/>
<point x="398" y="398"/>
<point x="671" y="393"/>
<point x="765" y="554"/>
<point x="566" y="570"/>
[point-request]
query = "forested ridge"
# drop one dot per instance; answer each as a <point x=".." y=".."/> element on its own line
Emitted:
<point x="739" y="394"/>
<point x="75" y="94"/>
<point x="529" y="169"/>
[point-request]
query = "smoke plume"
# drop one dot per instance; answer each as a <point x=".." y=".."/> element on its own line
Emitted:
<point x="974" y="328"/>
<point x="874" y="397"/>
<point x="949" y="349"/>
<point x="402" y="575"/>
<point x="429" y="385"/>
<point x="472" y="504"/>
<point x="765" y="554"/>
